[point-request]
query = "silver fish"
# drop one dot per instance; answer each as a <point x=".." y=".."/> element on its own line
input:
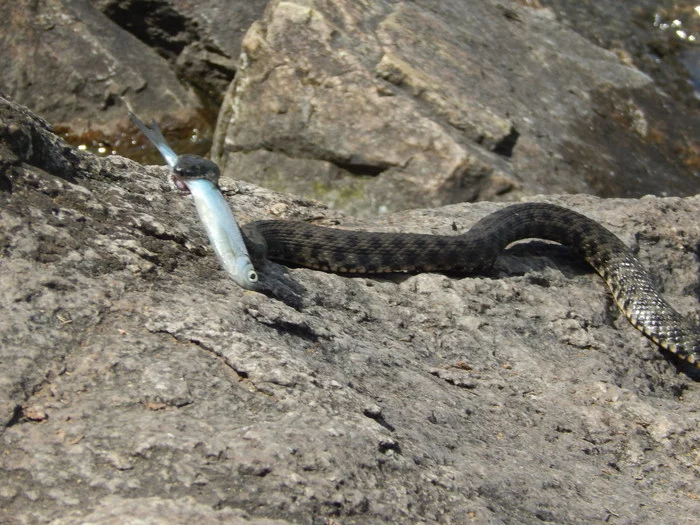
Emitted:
<point x="200" y="177"/>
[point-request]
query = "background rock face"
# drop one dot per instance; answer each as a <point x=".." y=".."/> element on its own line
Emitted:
<point x="74" y="61"/>
<point x="138" y="382"/>
<point x="437" y="102"/>
<point x="66" y="59"/>
<point x="378" y="106"/>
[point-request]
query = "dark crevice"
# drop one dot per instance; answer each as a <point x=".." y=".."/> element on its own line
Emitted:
<point x="196" y="342"/>
<point x="379" y="418"/>
<point x="291" y="148"/>
<point x="241" y="374"/>
<point x="358" y="168"/>
<point x="158" y="25"/>
<point x="5" y="182"/>
<point x="387" y="445"/>
<point x="507" y="143"/>
<point x="224" y="70"/>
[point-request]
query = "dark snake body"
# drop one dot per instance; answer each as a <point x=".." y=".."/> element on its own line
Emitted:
<point x="341" y="251"/>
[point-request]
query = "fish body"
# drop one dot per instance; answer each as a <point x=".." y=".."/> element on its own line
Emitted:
<point x="223" y="232"/>
<point x="200" y="176"/>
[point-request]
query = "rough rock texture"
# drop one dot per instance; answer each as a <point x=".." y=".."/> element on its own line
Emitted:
<point x="73" y="60"/>
<point x="138" y="382"/>
<point x="376" y="106"/>
<point x="67" y="61"/>
<point x="643" y="33"/>
<point x="202" y="39"/>
<point x="444" y="101"/>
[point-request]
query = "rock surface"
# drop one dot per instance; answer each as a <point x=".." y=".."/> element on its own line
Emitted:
<point x="432" y="102"/>
<point x="74" y="61"/>
<point x="137" y="382"/>
<point x="377" y="106"/>
<point x="69" y="62"/>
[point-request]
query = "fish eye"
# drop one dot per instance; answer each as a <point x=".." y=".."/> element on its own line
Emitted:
<point x="252" y="276"/>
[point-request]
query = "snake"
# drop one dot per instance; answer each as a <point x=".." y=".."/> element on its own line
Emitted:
<point x="472" y="252"/>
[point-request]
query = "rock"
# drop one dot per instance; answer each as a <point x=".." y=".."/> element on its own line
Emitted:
<point x="396" y="105"/>
<point x="114" y="510"/>
<point x="202" y="40"/>
<point x="137" y="381"/>
<point x="74" y="62"/>
<point x="654" y="36"/>
<point x="73" y="65"/>
<point x="376" y="108"/>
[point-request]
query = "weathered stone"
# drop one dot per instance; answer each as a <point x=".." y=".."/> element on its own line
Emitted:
<point x="73" y="62"/>
<point x="201" y="39"/>
<point x="114" y="510"/>
<point x="441" y="102"/>
<point x="408" y="103"/>
<point x="70" y="63"/>
<point x="138" y="381"/>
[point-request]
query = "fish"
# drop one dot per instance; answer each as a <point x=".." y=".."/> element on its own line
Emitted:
<point x="200" y="178"/>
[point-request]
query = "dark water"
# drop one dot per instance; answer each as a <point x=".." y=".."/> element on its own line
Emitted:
<point x="129" y="142"/>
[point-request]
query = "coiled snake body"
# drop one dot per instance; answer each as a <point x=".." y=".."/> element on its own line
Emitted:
<point x="474" y="251"/>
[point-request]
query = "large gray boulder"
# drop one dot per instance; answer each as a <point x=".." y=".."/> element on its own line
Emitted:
<point x="138" y="383"/>
<point x="394" y="105"/>
<point x="377" y="106"/>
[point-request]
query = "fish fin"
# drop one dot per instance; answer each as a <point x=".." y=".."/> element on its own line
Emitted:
<point x="155" y="135"/>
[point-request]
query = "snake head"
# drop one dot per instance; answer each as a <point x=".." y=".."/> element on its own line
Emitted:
<point x="193" y="167"/>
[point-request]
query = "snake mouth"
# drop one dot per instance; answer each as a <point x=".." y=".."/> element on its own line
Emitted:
<point x="181" y="184"/>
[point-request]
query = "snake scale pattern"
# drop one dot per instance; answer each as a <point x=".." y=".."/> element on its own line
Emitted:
<point x="472" y="252"/>
<point x="341" y="251"/>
